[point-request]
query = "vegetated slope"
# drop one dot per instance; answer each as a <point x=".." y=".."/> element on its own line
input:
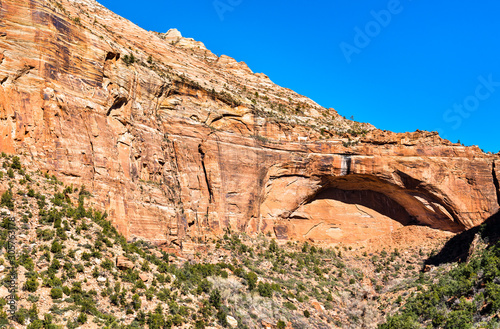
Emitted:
<point x="73" y="269"/>
<point x="468" y="295"/>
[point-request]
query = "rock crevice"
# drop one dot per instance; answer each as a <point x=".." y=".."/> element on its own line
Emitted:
<point x="205" y="174"/>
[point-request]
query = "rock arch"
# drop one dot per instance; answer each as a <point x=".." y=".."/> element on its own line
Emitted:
<point x="338" y="204"/>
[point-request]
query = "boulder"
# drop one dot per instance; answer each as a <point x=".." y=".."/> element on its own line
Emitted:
<point x="318" y="307"/>
<point x="144" y="277"/>
<point x="124" y="263"/>
<point x="233" y="323"/>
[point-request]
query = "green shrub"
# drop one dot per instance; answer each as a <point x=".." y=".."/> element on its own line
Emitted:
<point x="33" y="298"/>
<point x="129" y="59"/>
<point x="6" y="200"/>
<point x="251" y="280"/>
<point x="7" y="224"/>
<point x="56" y="247"/>
<point x="31" y="285"/>
<point x="54" y="267"/>
<point x="86" y="256"/>
<point x="400" y="321"/>
<point x="21" y="315"/>
<point x="136" y="302"/>
<point x="45" y="235"/>
<point x="37" y="324"/>
<point x="215" y="298"/>
<point x="27" y="262"/>
<point x="33" y="313"/>
<point x="493" y="295"/>
<point x="79" y="268"/>
<point x="204" y="286"/>
<point x="155" y="320"/>
<point x="139" y="284"/>
<point x="66" y="290"/>
<point x="59" y="199"/>
<point x="108" y="264"/>
<point x="82" y="318"/>
<point x="16" y="163"/>
<point x="265" y="289"/>
<point x="68" y="189"/>
<point x="222" y="318"/>
<point x="56" y="293"/>
<point x="273" y="246"/>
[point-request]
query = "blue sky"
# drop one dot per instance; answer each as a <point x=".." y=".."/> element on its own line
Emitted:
<point x="400" y="65"/>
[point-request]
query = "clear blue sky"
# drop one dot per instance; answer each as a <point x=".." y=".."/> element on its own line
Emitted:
<point x="419" y="64"/>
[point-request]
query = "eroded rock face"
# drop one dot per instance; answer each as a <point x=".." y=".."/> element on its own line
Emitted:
<point x="178" y="144"/>
<point x="408" y="185"/>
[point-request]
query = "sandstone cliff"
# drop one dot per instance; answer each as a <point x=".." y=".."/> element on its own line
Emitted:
<point x="178" y="144"/>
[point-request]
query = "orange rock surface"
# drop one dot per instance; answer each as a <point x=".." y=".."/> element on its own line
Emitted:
<point x="178" y="144"/>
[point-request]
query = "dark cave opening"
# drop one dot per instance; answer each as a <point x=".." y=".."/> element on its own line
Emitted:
<point x="370" y="199"/>
<point x="408" y="206"/>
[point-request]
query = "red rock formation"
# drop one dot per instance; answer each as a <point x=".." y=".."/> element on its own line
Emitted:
<point x="124" y="263"/>
<point x="177" y="143"/>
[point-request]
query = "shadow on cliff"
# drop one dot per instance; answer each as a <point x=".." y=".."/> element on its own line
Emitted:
<point x="457" y="248"/>
<point x="370" y="199"/>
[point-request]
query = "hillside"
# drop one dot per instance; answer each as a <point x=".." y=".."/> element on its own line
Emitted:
<point x="466" y="296"/>
<point x="73" y="269"/>
<point x="147" y="183"/>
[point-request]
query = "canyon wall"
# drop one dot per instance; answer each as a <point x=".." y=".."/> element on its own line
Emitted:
<point x="178" y="144"/>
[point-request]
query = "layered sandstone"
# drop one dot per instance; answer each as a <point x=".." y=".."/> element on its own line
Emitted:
<point x="178" y="144"/>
